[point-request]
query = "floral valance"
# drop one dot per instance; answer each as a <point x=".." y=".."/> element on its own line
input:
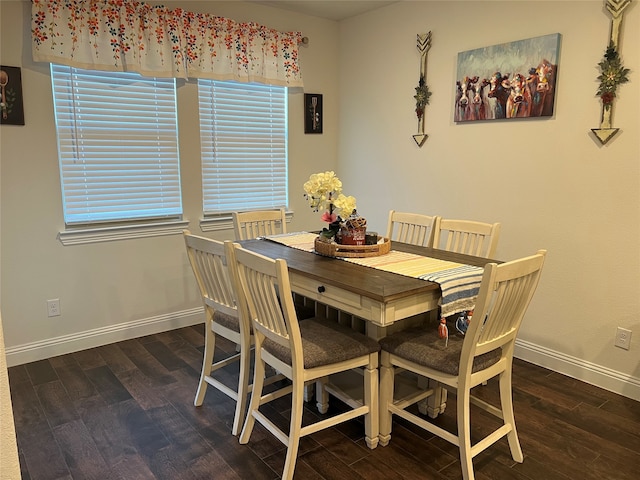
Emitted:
<point x="126" y="35"/>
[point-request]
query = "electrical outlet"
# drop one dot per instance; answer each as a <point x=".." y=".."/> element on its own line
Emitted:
<point x="623" y="338"/>
<point x="53" y="307"/>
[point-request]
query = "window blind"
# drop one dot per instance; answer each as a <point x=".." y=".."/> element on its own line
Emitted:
<point x="117" y="145"/>
<point x="243" y="137"/>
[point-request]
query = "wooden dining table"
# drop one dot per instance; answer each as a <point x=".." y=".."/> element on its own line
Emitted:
<point x="379" y="297"/>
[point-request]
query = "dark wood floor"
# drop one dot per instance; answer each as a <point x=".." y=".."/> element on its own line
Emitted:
<point x="125" y="411"/>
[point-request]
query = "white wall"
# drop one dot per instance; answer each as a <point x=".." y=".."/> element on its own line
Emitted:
<point x="548" y="182"/>
<point x="9" y="463"/>
<point x="111" y="291"/>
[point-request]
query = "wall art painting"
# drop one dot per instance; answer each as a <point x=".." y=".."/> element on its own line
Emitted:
<point x="11" y="107"/>
<point x="509" y="80"/>
<point x="312" y="113"/>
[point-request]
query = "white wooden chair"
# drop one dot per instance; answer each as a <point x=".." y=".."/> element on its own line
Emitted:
<point x="485" y="352"/>
<point x="303" y="351"/>
<point x="259" y="223"/>
<point x="467" y="236"/>
<point x="412" y="228"/>
<point x="208" y="261"/>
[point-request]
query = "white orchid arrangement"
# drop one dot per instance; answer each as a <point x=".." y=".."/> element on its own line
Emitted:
<point x="323" y="191"/>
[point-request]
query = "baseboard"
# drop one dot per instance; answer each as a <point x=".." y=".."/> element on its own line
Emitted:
<point x="52" y="347"/>
<point x="612" y="380"/>
<point x="623" y="384"/>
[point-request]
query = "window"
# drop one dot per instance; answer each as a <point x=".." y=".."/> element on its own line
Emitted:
<point x="243" y="137"/>
<point x="117" y="146"/>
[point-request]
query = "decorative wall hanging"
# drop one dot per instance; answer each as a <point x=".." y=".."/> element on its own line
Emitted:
<point x="509" y="80"/>
<point x="11" y="106"/>
<point x="422" y="90"/>
<point x="312" y="113"/>
<point x="612" y="72"/>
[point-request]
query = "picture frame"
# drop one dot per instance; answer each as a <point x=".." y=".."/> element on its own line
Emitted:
<point x="507" y="81"/>
<point x="312" y="113"/>
<point x="11" y="102"/>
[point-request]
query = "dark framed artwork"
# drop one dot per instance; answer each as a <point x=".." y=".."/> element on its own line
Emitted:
<point x="312" y="113"/>
<point x="509" y="80"/>
<point x="11" y="106"/>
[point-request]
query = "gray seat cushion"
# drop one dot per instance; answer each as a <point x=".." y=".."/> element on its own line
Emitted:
<point x="423" y="346"/>
<point x="325" y="342"/>
<point x="229" y="321"/>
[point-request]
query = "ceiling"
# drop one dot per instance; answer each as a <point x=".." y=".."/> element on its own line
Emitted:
<point x="330" y="9"/>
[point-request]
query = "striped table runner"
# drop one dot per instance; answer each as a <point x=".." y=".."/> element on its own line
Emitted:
<point x="300" y="240"/>
<point x="459" y="283"/>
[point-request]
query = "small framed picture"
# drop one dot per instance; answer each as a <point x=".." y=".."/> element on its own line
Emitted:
<point x="11" y="107"/>
<point x="312" y="113"/>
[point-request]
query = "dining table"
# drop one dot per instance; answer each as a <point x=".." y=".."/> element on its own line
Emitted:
<point x="381" y="298"/>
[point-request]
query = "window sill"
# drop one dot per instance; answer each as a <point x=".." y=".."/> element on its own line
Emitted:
<point x="222" y="222"/>
<point x="225" y="222"/>
<point x="125" y="232"/>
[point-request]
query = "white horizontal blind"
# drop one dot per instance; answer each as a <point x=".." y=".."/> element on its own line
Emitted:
<point x="117" y="145"/>
<point x="243" y="137"/>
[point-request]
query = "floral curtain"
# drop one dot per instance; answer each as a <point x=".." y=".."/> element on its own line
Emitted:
<point x="127" y="35"/>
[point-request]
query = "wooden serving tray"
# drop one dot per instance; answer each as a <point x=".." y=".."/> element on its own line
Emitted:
<point x="332" y="249"/>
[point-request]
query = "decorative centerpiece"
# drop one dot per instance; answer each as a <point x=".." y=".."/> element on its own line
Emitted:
<point x="346" y="233"/>
<point x="323" y="191"/>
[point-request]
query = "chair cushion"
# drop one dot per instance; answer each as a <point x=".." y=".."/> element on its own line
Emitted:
<point x="423" y="346"/>
<point x="325" y="342"/>
<point x="229" y="321"/>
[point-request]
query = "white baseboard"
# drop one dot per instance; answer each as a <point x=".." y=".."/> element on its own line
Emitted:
<point x="612" y="380"/>
<point x="52" y="347"/>
<point x="623" y="384"/>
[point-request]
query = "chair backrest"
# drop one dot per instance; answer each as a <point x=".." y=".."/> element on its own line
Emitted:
<point x="467" y="236"/>
<point x="209" y="264"/>
<point x="504" y="296"/>
<point x="412" y="228"/>
<point x="259" y="223"/>
<point x="266" y="289"/>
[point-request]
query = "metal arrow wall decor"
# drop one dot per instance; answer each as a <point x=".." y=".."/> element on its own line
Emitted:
<point x="422" y="90"/>
<point x="612" y="72"/>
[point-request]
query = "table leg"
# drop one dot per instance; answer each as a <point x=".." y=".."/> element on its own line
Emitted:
<point x="308" y="392"/>
<point x="322" y="396"/>
<point x="375" y="331"/>
<point x="436" y="403"/>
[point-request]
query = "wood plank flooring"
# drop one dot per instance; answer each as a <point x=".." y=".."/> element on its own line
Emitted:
<point x="125" y="411"/>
